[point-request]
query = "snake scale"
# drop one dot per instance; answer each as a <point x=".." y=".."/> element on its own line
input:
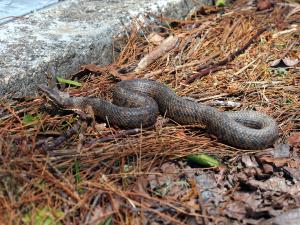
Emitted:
<point x="139" y="102"/>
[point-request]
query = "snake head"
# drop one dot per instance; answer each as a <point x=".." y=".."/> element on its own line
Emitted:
<point x="55" y="96"/>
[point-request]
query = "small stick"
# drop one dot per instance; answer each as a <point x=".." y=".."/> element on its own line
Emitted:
<point x="46" y="146"/>
<point x="122" y="133"/>
<point x="230" y="31"/>
<point x="203" y="73"/>
<point x="216" y="66"/>
<point x="166" y="45"/>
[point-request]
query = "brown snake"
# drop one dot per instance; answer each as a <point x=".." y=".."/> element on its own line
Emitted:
<point x="138" y="102"/>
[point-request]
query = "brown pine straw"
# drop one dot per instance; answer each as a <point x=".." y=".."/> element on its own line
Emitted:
<point x="111" y="162"/>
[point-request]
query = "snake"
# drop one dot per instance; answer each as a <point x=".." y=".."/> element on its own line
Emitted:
<point x="137" y="103"/>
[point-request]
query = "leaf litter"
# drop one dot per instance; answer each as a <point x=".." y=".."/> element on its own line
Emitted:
<point x="92" y="173"/>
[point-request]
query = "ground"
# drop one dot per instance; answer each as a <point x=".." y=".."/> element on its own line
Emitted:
<point x="59" y="167"/>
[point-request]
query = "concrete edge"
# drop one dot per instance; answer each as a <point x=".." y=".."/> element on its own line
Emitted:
<point x="58" y="39"/>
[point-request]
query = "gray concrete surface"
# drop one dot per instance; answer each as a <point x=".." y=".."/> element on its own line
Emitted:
<point x="58" y="39"/>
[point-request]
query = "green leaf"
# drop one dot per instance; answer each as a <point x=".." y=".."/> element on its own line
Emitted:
<point x="108" y="221"/>
<point x="43" y="216"/>
<point x="70" y="82"/>
<point x="279" y="71"/>
<point x="203" y="160"/>
<point x="220" y="3"/>
<point x="76" y="167"/>
<point x="28" y="118"/>
<point x="127" y="168"/>
<point x="77" y="171"/>
<point x="262" y="41"/>
<point x="66" y="123"/>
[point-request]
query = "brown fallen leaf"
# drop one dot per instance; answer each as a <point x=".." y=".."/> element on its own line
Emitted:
<point x="296" y="9"/>
<point x="249" y="161"/>
<point x="207" y="10"/>
<point x="235" y="210"/>
<point x="267" y="168"/>
<point x="247" y="198"/>
<point x="264" y="4"/>
<point x="141" y="185"/>
<point x="275" y="184"/>
<point x="290" y="217"/>
<point x="293" y="172"/>
<point x="294" y="163"/>
<point x="284" y="62"/>
<point x="294" y="139"/>
<point x="169" y="182"/>
<point x="229" y="29"/>
<point x="103" y="212"/>
<point x="93" y="68"/>
<point x="155" y="38"/>
<point x="100" y="127"/>
<point x="279" y="162"/>
<point x="88" y="68"/>
<point x="114" y="71"/>
<point x="280" y="156"/>
<point x="206" y="186"/>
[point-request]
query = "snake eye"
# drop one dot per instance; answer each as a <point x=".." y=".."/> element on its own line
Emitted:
<point x="51" y="95"/>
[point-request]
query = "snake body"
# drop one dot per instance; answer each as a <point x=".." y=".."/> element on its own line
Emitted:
<point x="139" y="102"/>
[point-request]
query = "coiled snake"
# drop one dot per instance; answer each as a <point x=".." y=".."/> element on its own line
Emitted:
<point x="138" y="102"/>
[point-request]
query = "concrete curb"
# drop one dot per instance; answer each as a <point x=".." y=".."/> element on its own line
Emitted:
<point x="58" y="39"/>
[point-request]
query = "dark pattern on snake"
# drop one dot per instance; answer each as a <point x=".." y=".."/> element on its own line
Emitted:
<point x="138" y="102"/>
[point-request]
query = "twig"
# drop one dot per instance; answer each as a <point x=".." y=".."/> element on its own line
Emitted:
<point x="168" y="44"/>
<point x="203" y="73"/>
<point x="233" y="55"/>
<point x="46" y="146"/>
<point x="91" y="208"/>
<point x="166" y="70"/>
<point x="15" y="113"/>
<point x="246" y="67"/>
<point x="59" y="180"/>
<point x="230" y="30"/>
<point x="284" y="32"/>
<point x="123" y="133"/>
<point x="216" y="66"/>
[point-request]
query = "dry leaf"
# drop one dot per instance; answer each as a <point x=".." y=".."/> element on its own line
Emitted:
<point x="279" y="162"/>
<point x="281" y="151"/>
<point x="181" y="134"/>
<point x="249" y="161"/>
<point x="264" y="4"/>
<point x="290" y="62"/>
<point x="100" y="126"/>
<point x="93" y="68"/>
<point x="294" y="139"/>
<point x="275" y="62"/>
<point x="88" y="68"/>
<point x="236" y="210"/>
<point x="155" y="38"/>
<point x="275" y="184"/>
<point x="285" y="62"/>
<point x="291" y="217"/>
